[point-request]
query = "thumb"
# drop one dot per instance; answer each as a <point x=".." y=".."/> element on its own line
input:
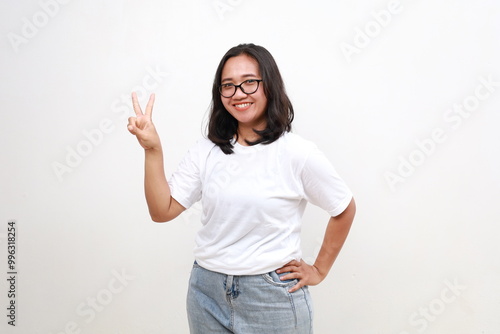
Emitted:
<point x="133" y="129"/>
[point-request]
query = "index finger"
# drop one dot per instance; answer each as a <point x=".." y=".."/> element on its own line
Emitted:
<point x="135" y="105"/>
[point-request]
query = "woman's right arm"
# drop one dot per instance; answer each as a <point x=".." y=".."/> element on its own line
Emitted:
<point x="162" y="207"/>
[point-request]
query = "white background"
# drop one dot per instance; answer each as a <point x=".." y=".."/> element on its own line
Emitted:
<point x="422" y="256"/>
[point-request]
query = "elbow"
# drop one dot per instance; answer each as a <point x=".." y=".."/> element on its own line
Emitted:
<point x="163" y="214"/>
<point x="159" y="214"/>
<point x="159" y="218"/>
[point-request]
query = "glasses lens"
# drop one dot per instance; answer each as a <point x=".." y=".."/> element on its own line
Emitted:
<point x="227" y="90"/>
<point x="250" y="86"/>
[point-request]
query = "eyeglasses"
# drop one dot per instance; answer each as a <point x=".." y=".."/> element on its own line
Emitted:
<point x="248" y="87"/>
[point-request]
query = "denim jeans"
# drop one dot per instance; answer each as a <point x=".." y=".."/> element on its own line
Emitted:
<point x="218" y="303"/>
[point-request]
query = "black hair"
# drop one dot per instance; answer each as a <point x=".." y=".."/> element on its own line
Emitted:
<point x="223" y="127"/>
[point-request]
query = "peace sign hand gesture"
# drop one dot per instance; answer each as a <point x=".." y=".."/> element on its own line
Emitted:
<point x="142" y="125"/>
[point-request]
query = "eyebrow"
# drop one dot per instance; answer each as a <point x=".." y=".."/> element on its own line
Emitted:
<point x="249" y="75"/>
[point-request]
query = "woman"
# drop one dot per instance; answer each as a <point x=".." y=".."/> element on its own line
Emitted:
<point x="254" y="179"/>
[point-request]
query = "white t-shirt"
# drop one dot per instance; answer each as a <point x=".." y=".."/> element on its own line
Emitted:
<point x="253" y="201"/>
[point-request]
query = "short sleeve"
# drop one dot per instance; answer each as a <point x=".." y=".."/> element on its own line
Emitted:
<point x="323" y="186"/>
<point x="185" y="183"/>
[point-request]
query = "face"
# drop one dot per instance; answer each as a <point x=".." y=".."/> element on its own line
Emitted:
<point x="248" y="109"/>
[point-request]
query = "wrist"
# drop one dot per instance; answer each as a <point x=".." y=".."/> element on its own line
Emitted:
<point x="321" y="270"/>
<point x="154" y="150"/>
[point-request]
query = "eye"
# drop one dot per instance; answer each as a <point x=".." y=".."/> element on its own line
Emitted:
<point x="250" y="83"/>
<point x="225" y="86"/>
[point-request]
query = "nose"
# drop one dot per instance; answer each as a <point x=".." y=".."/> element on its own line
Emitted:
<point x="239" y="94"/>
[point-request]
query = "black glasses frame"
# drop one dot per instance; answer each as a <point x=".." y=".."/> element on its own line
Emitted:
<point x="240" y="86"/>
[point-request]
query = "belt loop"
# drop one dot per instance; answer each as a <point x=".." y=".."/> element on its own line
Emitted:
<point x="229" y="284"/>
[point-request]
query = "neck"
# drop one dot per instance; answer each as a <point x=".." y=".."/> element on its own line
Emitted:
<point x="248" y="134"/>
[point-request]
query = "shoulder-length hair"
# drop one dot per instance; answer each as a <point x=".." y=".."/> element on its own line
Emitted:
<point x="223" y="127"/>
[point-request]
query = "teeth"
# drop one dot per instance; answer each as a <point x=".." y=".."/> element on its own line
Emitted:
<point x="243" y="105"/>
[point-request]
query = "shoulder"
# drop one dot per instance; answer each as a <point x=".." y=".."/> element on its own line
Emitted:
<point x="199" y="152"/>
<point x="296" y="145"/>
<point x="203" y="146"/>
<point x="295" y="150"/>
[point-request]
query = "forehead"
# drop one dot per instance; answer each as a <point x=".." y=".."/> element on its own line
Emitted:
<point x="240" y="66"/>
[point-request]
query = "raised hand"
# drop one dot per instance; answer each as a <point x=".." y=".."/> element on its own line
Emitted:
<point x="142" y="125"/>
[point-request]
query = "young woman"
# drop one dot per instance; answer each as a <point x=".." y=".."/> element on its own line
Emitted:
<point x="254" y="179"/>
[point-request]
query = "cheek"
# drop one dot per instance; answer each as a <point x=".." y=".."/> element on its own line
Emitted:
<point x="262" y="97"/>
<point x="263" y="102"/>
<point x="225" y="103"/>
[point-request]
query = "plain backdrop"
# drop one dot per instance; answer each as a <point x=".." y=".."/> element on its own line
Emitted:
<point x="402" y="96"/>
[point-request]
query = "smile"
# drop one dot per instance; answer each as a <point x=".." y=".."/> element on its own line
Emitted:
<point x="243" y="105"/>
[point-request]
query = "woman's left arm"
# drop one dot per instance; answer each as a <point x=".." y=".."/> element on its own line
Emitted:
<point x="335" y="236"/>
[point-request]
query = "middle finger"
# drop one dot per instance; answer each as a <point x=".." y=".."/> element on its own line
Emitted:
<point x="135" y="105"/>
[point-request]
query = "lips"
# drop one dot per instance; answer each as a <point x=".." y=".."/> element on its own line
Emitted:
<point x="242" y="106"/>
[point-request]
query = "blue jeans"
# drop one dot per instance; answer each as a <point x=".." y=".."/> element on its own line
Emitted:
<point x="218" y="303"/>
